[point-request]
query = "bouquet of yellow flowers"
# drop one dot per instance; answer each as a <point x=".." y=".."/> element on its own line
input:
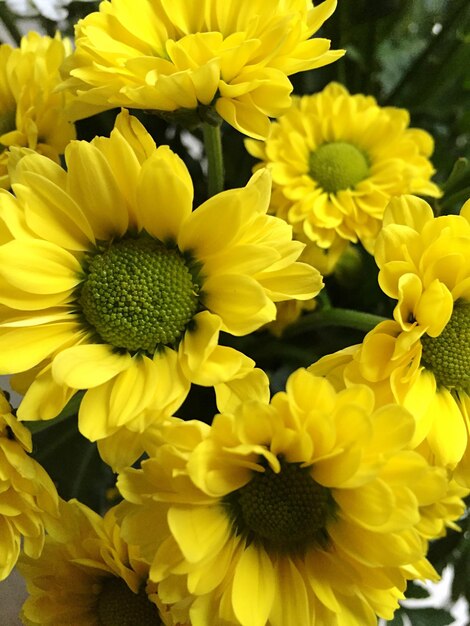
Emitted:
<point x="234" y="310"/>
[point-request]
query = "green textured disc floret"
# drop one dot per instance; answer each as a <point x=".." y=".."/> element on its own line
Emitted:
<point x="338" y="165"/>
<point x="120" y="606"/>
<point x="284" y="512"/>
<point x="448" y="355"/>
<point x="139" y="295"/>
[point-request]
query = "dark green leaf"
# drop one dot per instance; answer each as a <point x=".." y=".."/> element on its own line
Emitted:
<point x="430" y="617"/>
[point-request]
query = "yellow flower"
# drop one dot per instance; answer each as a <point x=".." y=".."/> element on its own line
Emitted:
<point x="88" y="576"/>
<point x="304" y="510"/>
<point x="391" y="362"/>
<point x="422" y="358"/>
<point x="441" y="420"/>
<point x="27" y="494"/>
<point x="32" y="114"/>
<point x="424" y="264"/>
<point x="188" y="57"/>
<point x="336" y="159"/>
<point x="112" y="284"/>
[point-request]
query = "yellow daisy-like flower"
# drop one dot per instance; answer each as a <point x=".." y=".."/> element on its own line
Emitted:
<point x="304" y="510"/>
<point x="391" y="362"/>
<point x="32" y="113"/>
<point x="425" y="265"/>
<point x="111" y="283"/>
<point x="27" y="494"/>
<point x="88" y="576"/>
<point x="188" y="57"/>
<point x="336" y="159"/>
<point x="374" y="364"/>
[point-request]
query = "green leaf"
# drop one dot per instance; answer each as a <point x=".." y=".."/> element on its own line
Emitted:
<point x="430" y="617"/>
<point x="417" y="592"/>
<point x="460" y="173"/>
<point x="397" y="620"/>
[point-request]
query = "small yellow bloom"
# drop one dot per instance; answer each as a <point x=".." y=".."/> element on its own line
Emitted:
<point x="337" y="159"/>
<point x="391" y="362"/>
<point x="425" y="265"/>
<point x="32" y="113"/>
<point x="27" y="493"/>
<point x="88" y="576"/>
<point x="112" y="283"/>
<point x="187" y="57"/>
<point x="303" y="510"/>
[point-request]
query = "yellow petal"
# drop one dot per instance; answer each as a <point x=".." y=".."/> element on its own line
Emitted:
<point x="121" y="449"/>
<point x="23" y="348"/>
<point x="240" y="302"/>
<point x="435" y="308"/>
<point x="223" y="219"/>
<point x="370" y="505"/>
<point x="253" y="587"/>
<point x="39" y="267"/>
<point x="254" y="385"/>
<point x="89" y="365"/>
<point x="201" y="532"/>
<point x="44" y="399"/>
<point x="291" y="606"/>
<point x="222" y="364"/>
<point x="52" y="214"/>
<point x="93" y="187"/>
<point x="164" y="194"/>
<point x="199" y="342"/>
<point x="409" y="210"/>
<point x="448" y="434"/>
<point x="299" y="281"/>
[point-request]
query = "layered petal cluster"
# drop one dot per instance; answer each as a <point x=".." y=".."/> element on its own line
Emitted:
<point x="32" y="112"/>
<point x="27" y="494"/>
<point x="422" y="357"/>
<point x="304" y="510"/>
<point x="185" y="57"/>
<point x="111" y="283"/>
<point x="424" y="263"/>
<point x="441" y="417"/>
<point x="88" y="576"/>
<point x="337" y="159"/>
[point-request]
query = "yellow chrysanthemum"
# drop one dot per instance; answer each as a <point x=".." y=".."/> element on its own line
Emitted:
<point x="112" y="284"/>
<point x="377" y="363"/>
<point x="336" y="159"/>
<point x="390" y="362"/>
<point x="188" y="57"/>
<point x="304" y="510"/>
<point x="425" y="265"/>
<point x="32" y="113"/>
<point x="88" y="576"/>
<point x="27" y="493"/>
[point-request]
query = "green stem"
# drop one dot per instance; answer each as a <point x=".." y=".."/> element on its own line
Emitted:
<point x="215" y="161"/>
<point x="345" y="318"/>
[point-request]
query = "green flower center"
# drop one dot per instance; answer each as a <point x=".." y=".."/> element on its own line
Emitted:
<point x="448" y="355"/>
<point x="284" y="512"/>
<point x="338" y="165"/>
<point x="120" y="606"/>
<point x="139" y="295"/>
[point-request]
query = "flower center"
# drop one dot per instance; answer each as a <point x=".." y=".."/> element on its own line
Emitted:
<point x="284" y="512"/>
<point x="448" y="355"/>
<point x="139" y="295"/>
<point x="119" y="606"/>
<point x="338" y="165"/>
